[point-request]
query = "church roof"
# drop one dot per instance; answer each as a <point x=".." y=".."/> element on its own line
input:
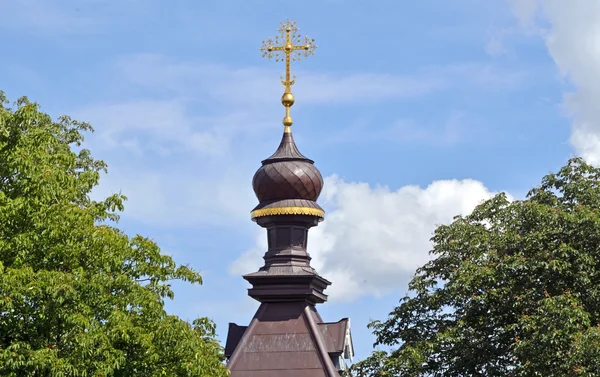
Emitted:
<point x="287" y="150"/>
<point x="290" y="337"/>
<point x="337" y="337"/>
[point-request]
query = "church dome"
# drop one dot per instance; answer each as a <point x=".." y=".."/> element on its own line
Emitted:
<point x="287" y="179"/>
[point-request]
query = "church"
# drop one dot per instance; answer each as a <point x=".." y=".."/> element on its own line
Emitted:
<point x="287" y="336"/>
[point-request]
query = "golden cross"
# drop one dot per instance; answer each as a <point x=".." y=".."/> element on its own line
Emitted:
<point x="293" y="49"/>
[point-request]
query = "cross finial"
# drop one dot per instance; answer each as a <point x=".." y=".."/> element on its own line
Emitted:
<point x="288" y="45"/>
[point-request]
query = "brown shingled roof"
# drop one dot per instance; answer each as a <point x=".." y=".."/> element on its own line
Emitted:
<point x="284" y="338"/>
<point x="334" y="334"/>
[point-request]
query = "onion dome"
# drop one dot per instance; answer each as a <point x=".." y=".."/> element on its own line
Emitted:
<point x="287" y="183"/>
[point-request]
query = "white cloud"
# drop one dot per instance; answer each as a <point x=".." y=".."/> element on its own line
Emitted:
<point x="525" y="10"/>
<point x="250" y="85"/>
<point x="179" y="197"/>
<point x="184" y="169"/>
<point x="176" y="169"/>
<point x="374" y="238"/>
<point x="573" y="40"/>
<point x="495" y="42"/>
<point x="160" y="127"/>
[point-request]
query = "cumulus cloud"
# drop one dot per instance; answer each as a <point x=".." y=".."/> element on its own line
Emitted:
<point x="573" y="40"/>
<point x="373" y="238"/>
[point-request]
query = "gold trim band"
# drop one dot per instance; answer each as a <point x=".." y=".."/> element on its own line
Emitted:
<point x="274" y="211"/>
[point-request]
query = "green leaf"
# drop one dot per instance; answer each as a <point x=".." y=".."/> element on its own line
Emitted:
<point x="512" y="290"/>
<point x="78" y="297"/>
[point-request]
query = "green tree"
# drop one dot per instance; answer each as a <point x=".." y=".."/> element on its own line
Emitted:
<point x="513" y="289"/>
<point x="78" y="297"/>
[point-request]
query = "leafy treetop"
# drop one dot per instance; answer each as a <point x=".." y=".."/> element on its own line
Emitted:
<point x="513" y="289"/>
<point x="78" y="297"/>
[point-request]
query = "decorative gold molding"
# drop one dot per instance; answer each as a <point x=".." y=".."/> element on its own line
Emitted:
<point x="275" y="211"/>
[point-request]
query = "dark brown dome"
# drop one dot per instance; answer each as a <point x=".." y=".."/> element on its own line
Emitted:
<point x="287" y="175"/>
<point x="293" y="179"/>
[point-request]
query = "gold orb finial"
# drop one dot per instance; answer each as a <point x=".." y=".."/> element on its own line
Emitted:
<point x="287" y="122"/>
<point x="287" y="99"/>
<point x="292" y="47"/>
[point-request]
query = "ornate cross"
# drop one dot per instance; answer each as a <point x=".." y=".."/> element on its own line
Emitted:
<point x="293" y="49"/>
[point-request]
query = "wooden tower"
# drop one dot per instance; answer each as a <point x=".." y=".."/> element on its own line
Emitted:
<point x="287" y="336"/>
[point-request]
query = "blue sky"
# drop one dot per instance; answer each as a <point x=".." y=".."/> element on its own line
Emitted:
<point x="414" y="111"/>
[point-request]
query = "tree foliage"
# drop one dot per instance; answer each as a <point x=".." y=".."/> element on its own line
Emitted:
<point x="78" y="297"/>
<point x="513" y="289"/>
